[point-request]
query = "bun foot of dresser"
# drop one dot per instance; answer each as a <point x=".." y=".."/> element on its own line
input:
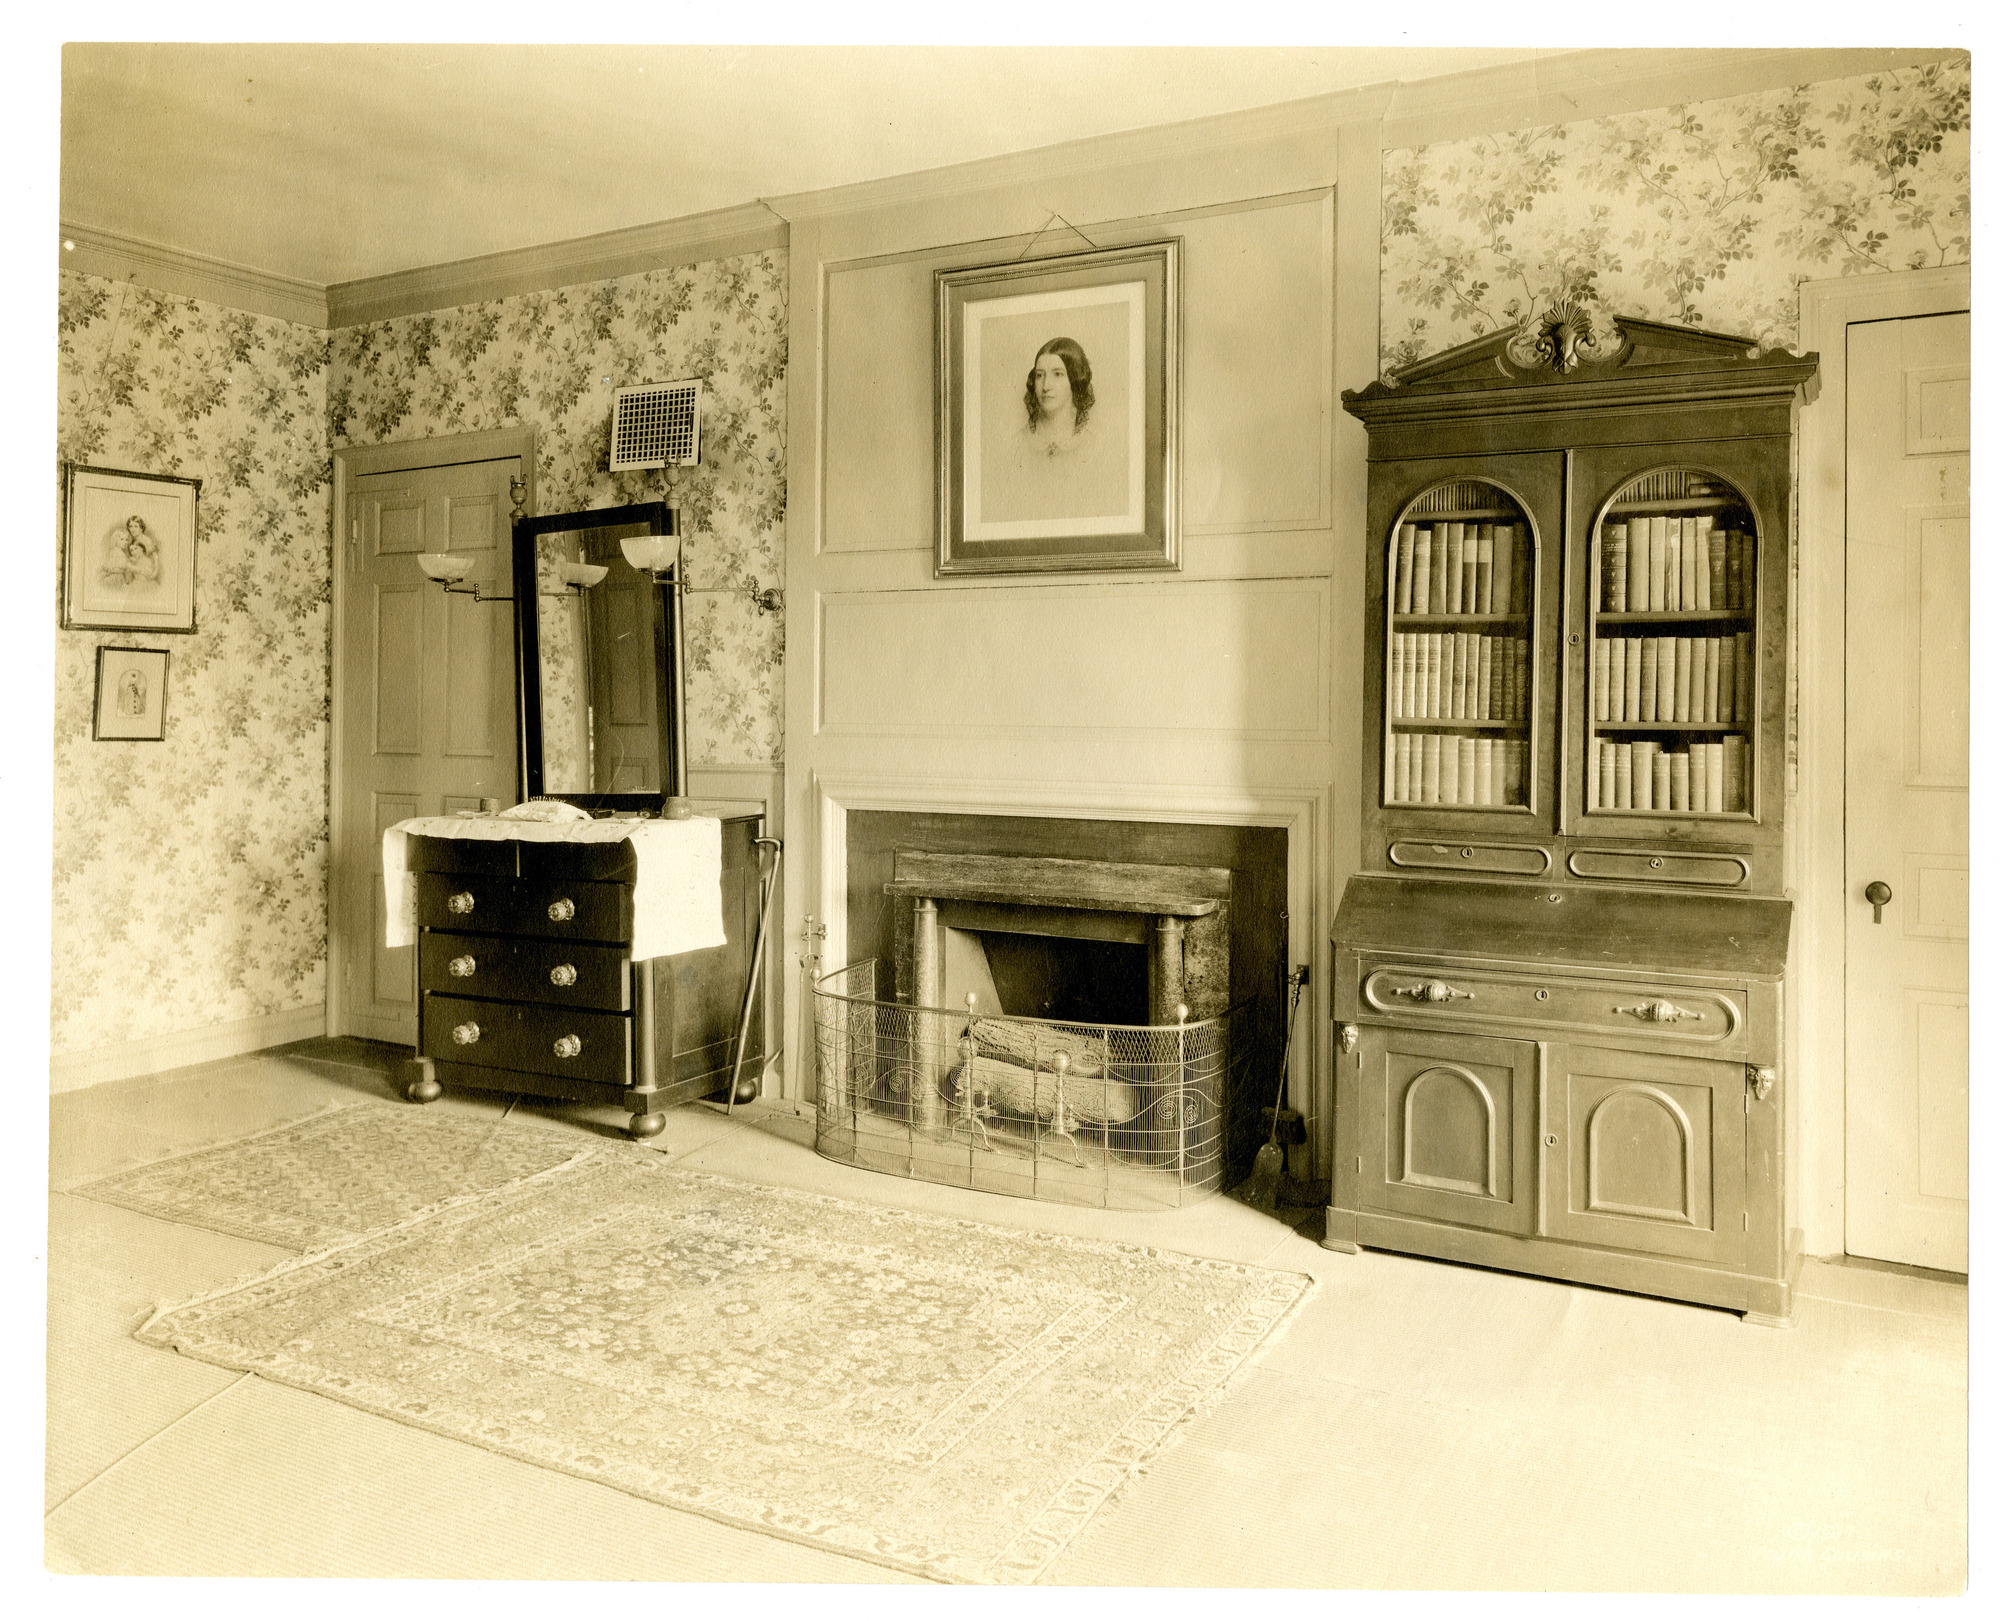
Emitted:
<point x="420" y="1082"/>
<point x="646" y="1125"/>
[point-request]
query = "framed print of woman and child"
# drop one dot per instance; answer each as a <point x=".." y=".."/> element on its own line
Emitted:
<point x="128" y="551"/>
<point x="1058" y="413"/>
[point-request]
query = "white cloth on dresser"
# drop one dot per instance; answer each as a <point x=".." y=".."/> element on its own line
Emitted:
<point x="676" y="900"/>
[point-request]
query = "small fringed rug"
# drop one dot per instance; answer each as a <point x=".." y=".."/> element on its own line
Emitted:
<point x="939" y="1396"/>
<point x="335" y="1176"/>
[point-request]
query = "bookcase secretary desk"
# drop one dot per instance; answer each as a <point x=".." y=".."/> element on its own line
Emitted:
<point x="1559" y="981"/>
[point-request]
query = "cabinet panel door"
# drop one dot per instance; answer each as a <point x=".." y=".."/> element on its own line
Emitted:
<point x="1644" y="1151"/>
<point x="1447" y="1126"/>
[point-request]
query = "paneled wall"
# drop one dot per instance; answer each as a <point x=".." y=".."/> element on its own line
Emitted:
<point x="189" y="884"/>
<point x="1203" y="695"/>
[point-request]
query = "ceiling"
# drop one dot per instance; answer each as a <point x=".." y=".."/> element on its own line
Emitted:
<point x="331" y="163"/>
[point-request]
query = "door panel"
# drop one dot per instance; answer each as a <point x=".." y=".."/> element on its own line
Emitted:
<point x="1908" y="747"/>
<point x="1447" y="1127"/>
<point x="426" y="706"/>
<point x="1645" y="1152"/>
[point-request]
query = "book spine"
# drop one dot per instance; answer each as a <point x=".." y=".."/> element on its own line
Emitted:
<point x="1600" y="679"/>
<point x="1396" y="646"/>
<point x="1748" y="603"/>
<point x="1462" y="676"/>
<point x="1711" y="680"/>
<point x="1619" y="550"/>
<point x="1593" y="775"/>
<point x="1649" y="678"/>
<point x="1663" y="704"/>
<point x="1440" y="552"/>
<point x="1447" y="771"/>
<point x="1447" y="660"/>
<point x="1628" y="707"/>
<point x="1482" y="771"/>
<point x="1656" y="565"/>
<point x="1663" y="782"/>
<point x="1746" y="680"/>
<point x="1483" y="573"/>
<point x="1643" y="755"/>
<point x="1420" y="573"/>
<point x="1486" y="678"/>
<point x="1732" y="570"/>
<point x="1517" y="772"/>
<point x="1402" y="780"/>
<point x="1697" y="777"/>
<point x="1683" y="677"/>
<point x="1427" y="785"/>
<point x="1468" y="771"/>
<point x="1524" y="574"/>
<point x="1736" y="769"/>
<point x="1725" y="680"/>
<point x="1712" y="590"/>
<point x="1718" y="790"/>
<point x="1503" y="568"/>
<point x="1621" y="757"/>
<point x="1639" y="568"/>
<point x="1672" y="570"/>
<point x="1400" y="563"/>
<point x="1679" y="798"/>
<point x="1454" y="568"/>
<point x="1524" y="694"/>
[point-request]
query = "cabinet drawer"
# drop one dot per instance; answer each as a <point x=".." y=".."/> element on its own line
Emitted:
<point x="1661" y="867"/>
<point x="570" y="1042"/>
<point x="1526" y="1002"/>
<point x="567" y="973"/>
<point x="1519" y="860"/>
<point x="552" y="907"/>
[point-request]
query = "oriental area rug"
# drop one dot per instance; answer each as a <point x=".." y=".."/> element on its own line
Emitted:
<point x="936" y="1395"/>
<point x="337" y="1175"/>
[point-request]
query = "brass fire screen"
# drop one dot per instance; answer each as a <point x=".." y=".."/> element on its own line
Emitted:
<point x="1124" y="1117"/>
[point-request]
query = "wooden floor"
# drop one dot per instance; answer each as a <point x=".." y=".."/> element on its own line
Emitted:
<point x="1421" y="1426"/>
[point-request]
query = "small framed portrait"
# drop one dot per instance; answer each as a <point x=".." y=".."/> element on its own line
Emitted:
<point x="131" y="695"/>
<point x="128" y="551"/>
<point x="1058" y="413"/>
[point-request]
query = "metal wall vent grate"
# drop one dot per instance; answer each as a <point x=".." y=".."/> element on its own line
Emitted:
<point x="656" y="425"/>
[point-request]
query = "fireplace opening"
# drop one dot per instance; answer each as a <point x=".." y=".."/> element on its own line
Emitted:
<point x="1044" y="976"/>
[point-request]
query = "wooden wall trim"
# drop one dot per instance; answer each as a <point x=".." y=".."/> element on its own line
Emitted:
<point x="721" y="234"/>
<point x="149" y="1055"/>
<point x="191" y="275"/>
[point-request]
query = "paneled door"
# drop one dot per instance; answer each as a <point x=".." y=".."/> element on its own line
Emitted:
<point x="425" y="699"/>
<point x="1908" y="710"/>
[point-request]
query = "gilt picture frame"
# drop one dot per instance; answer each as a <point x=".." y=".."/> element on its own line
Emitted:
<point x="1058" y="413"/>
<point x="131" y="703"/>
<point x="128" y="550"/>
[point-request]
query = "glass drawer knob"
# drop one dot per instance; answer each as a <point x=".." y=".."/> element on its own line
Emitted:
<point x="562" y="974"/>
<point x="562" y="911"/>
<point x="461" y="902"/>
<point x="568" y="1046"/>
<point x="465" y="1034"/>
<point x="463" y="967"/>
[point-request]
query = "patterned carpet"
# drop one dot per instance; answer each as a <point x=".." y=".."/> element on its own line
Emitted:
<point x="936" y="1395"/>
<point x="333" y="1177"/>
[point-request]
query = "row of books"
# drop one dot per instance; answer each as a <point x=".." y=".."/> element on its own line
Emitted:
<point x="1710" y="777"/>
<point x="1458" y="568"/>
<point x="1699" y="679"/>
<point x="1429" y="768"/>
<point x="1457" y="675"/>
<point x="1668" y="565"/>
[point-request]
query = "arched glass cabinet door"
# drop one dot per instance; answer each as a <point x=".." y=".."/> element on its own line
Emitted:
<point x="1459" y="698"/>
<point x="1671" y="726"/>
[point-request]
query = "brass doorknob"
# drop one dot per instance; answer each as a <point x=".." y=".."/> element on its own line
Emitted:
<point x="1878" y="895"/>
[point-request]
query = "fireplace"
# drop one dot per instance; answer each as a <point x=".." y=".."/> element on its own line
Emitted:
<point x="1135" y="967"/>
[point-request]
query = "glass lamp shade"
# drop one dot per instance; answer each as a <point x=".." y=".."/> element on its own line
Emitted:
<point x="445" y="566"/>
<point x="583" y="574"/>
<point x="653" y="554"/>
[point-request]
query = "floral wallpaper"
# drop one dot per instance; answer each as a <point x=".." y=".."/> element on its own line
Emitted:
<point x="1708" y="214"/>
<point x="554" y="359"/>
<point x="189" y="881"/>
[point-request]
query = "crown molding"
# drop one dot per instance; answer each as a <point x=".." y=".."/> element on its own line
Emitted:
<point x="720" y="234"/>
<point x="192" y="275"/>
<point x="1561" y="88"/>
<point x="1196" y="139"/>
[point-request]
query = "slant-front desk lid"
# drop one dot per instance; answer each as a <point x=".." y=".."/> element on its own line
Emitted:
<point x="1594" y="927"/>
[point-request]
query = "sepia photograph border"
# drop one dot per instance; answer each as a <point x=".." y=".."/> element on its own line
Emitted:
<point x="91" y="499"/>
<point x="151" y="727"/>
<point x="1153" y="542"/>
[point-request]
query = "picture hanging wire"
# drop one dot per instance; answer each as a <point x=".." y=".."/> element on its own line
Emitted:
<point x="1053" y="219"/>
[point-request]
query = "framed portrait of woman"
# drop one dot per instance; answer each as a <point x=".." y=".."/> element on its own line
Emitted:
<point x="1058" y="413"/>
<point x="128" y="550"/>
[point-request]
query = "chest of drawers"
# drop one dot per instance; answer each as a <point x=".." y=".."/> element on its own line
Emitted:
<point x="1565" y="1080"/>
<point x="526" y="981"/>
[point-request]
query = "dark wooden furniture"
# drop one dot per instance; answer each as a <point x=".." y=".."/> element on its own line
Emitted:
<point x="1560" y="996"/>
<point x="526" y="981"/>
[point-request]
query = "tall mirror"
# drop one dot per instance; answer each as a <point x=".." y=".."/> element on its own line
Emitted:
<point x="603" y="708"/>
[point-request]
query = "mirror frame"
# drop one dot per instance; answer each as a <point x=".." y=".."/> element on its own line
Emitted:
<point x="669" y="648"/>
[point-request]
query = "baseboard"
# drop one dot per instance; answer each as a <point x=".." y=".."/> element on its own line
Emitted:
<point x="70" y="1071"/>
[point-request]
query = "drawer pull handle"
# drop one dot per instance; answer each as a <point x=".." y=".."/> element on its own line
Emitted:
<point x="1660" y="1012"/>
<point x="562" y="974"/>
<point x="460" y="903"/>
<point x="463" y="967"/>
<point x="568" y="1046"/>
<point x="1433" y="990"/>
<point x="561" y="911"/>
<point x="465" y="1034"/>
